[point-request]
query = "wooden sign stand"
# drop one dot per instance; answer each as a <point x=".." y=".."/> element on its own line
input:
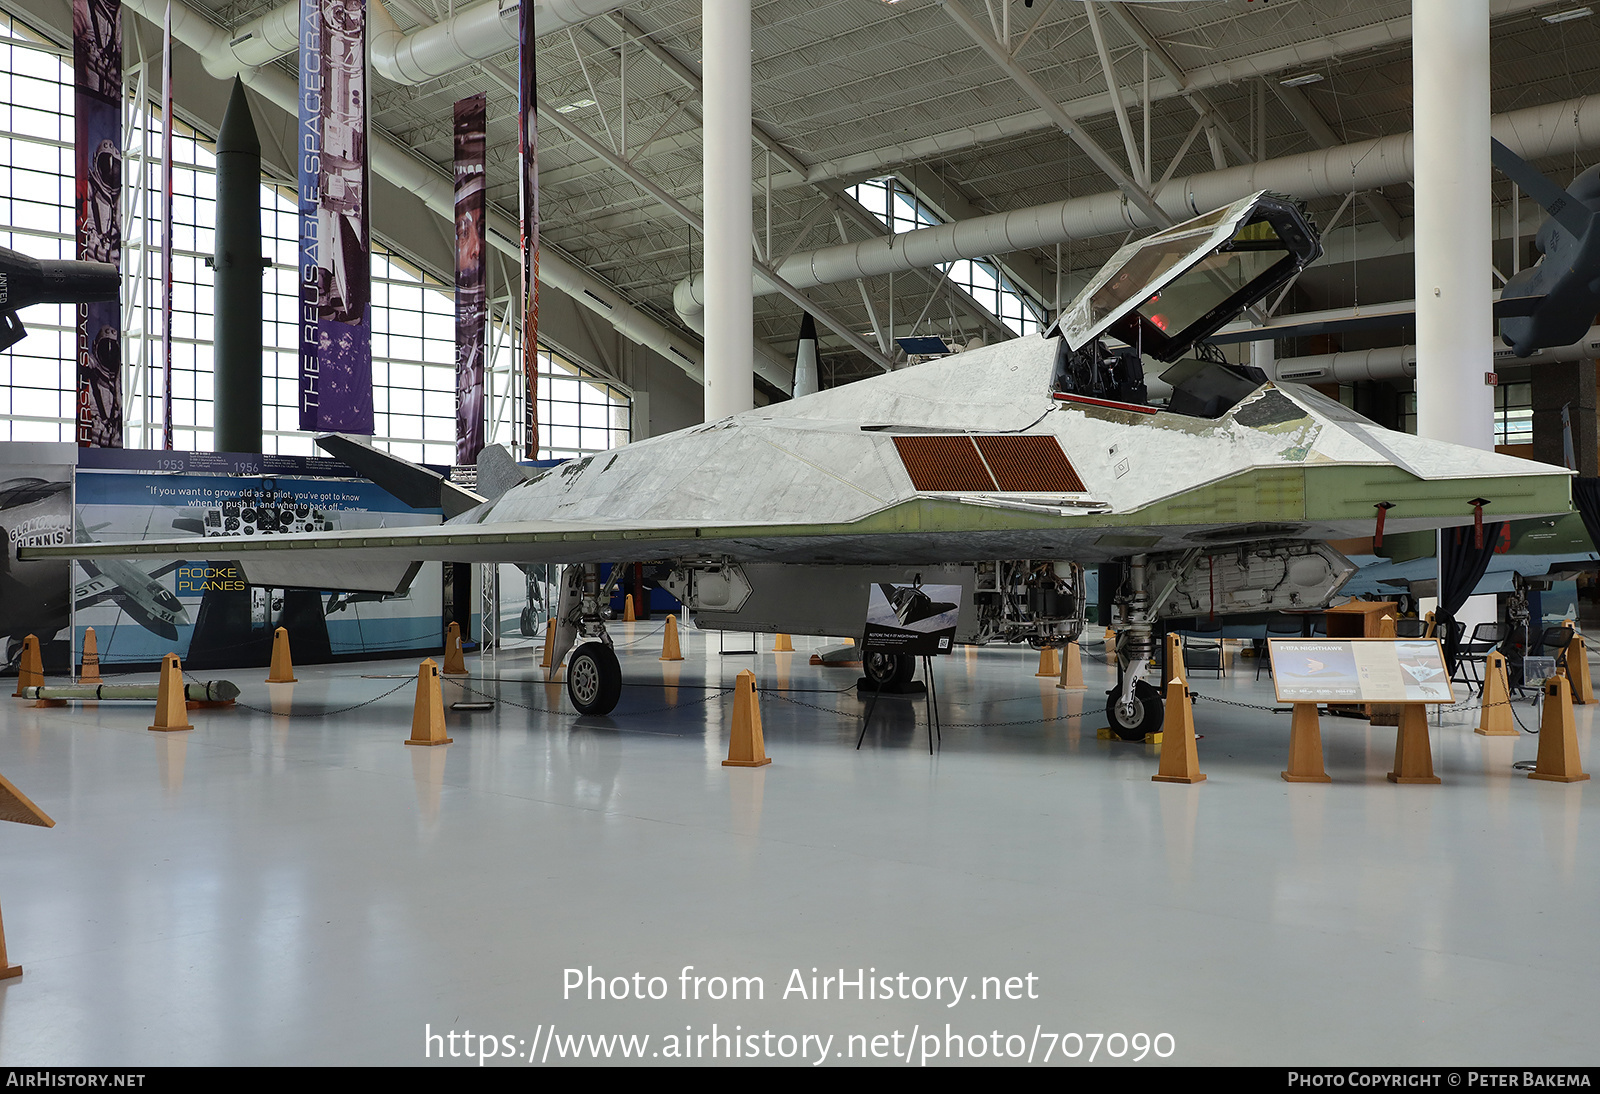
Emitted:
<point x="15" y="806"/>
<point x="1305" y="747"/>
<point x="1413" y="755"/>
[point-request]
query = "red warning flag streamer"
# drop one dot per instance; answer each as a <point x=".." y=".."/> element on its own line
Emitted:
<point x="1383" y="508"/>
<point x="1477" y="522"/>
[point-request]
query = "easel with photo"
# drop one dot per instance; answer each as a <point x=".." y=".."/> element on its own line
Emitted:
<point x="930" y="703"/>
<point x="908" y="621"/>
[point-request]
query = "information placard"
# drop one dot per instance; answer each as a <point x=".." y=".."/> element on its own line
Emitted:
<point x="1359" y="670"/>
<point x="914" y="619"/>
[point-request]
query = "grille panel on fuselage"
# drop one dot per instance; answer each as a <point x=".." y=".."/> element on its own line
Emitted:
<point x="943" y="463"/>
<point x="1030" y="463"/>
<point x="1008" y="463"/>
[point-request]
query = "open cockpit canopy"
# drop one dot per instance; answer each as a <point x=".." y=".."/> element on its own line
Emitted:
<point x="1164" y="293"/>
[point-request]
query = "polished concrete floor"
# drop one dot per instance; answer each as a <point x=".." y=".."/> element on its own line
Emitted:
<point x="302" y="887"/>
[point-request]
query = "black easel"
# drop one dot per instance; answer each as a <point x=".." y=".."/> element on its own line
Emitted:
<point x="930" y="701"/>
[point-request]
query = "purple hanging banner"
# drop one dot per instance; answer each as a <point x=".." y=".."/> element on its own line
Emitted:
<point x="166" y="229"/>
<point x="335" y="260"/>
<point x="97" y="103"/>
<point x="528" y="146"/>
<point x="471" y="303"/>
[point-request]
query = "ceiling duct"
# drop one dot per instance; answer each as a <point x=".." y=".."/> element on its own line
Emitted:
<point x="1538" y="132"/>
<point x="473" y="33"/>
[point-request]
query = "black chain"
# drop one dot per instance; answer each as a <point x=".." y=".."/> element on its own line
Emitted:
<point x="710" y="695"/>
<point x="942" y="723"/>
<point x="324" y="713"/>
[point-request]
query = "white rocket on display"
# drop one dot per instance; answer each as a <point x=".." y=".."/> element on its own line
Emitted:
<point x="805" y="359"/>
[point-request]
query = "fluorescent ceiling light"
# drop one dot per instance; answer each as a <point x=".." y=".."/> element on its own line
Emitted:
<point x="577" y="105"/>
<point x="1568" y="16"/>
<point x="1301" y="81"/>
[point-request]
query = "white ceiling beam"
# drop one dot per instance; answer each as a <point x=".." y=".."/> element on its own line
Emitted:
<point x="1266" y="63"/>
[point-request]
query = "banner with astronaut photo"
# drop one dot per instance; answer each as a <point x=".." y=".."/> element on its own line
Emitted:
<point x="335" y="260"/>
<point x="471" y="303"/>
<point x="204" y="607"/>
<point x="97" y="106"/>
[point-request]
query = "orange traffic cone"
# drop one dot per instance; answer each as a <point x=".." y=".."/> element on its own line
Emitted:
<point x="282" y="668"/>
<point x="1173" y="665"/>
<point x="783" y="645"/>
<point x="1180" y="761"/>
<point x="1496" y="718"/>
<point x="427" y="715"/>
<point x="746" y="747"/>
<point x="1558" y="737"/>
<point x="171" y="710"/>
<point x="669" y="645"/>
<point x="30" y="670"/>
<point x="627" y="609"/>
<point x="549" y="643"/>
<point x="455" y="662"/>
<point x="89" y="672"/>
<point x="1072" y="670"/>
<point x="1049" y="662"/>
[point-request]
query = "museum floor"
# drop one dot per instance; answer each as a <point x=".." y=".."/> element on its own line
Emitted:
<point x="308" y="889"/>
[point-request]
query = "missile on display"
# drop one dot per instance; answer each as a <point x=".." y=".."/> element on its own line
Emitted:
<point x="805" y="359"/>
<point x="239" y="265"/>
<point x="26" y="281"/>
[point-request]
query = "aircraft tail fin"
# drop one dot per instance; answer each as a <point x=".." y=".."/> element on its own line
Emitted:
<point x="499" y="471"/>
<point x="416" y="486"/>
<point x="1567" y="210"/>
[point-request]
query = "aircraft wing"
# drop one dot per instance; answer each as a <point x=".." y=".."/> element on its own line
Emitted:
<point x="943" y="527"/>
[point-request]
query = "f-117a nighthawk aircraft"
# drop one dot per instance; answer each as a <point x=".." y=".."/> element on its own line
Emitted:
<point x="1003" y="470"/>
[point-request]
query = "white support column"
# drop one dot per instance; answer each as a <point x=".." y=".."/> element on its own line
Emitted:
<point x="1263" y="354"/>
<point x="729" y="220"/>
<point x="1450" y="74"/>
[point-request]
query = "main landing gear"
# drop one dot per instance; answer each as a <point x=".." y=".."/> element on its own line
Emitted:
<point x="594" y="678"/>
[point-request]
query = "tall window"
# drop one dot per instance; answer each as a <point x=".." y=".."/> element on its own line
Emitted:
<point x="901" y="211"/>
<point x="1513" y="414"/>
<point x="413" y="314"/>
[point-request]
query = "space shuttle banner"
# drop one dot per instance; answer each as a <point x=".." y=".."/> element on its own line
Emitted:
<point x="471" y="116"/>
<point x="335" y="263"/>
<point x="97" y="75"/>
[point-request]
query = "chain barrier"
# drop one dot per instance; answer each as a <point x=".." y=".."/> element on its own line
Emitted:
<point x="1453" y="709"/>
<point x="710" y="695"/>
<point x="777" y="693"/>
<point x="323" y="713"/>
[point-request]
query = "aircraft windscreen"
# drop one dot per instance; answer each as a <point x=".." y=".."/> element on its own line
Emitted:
<point x="1151" y="262"/>
<point x="1177" y="287"/>
<point x="1214" y="280"/>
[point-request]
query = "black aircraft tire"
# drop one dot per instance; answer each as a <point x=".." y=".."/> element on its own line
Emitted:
<point x="594" y="679"/>
<point x="1147" y="712"/>
<point x="889" y="669"/>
